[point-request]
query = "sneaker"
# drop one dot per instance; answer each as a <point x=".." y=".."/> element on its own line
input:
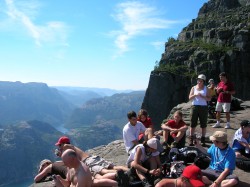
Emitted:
<point x="227" y="126"/>
<point x="217" y="125"/>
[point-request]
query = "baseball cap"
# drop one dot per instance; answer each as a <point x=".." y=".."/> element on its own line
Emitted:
<point x="219" y="136"/>
<point x="201" y="76"/>
<point x="245" y="123"/>
<point x="194" y="175"/>
<point x="152" y="143"/>
<point x="63" y="139"/>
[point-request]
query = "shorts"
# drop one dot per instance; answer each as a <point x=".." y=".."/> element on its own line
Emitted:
<point x="213" y="175"/>
<point x="199" y="112"/>
<point x="225" y="106"/>
<point x="96" y="164"/>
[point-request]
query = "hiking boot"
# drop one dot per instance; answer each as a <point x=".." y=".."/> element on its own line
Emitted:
<point x="203" y="141"/>
<point x="173" y="144"/>
<point x="191" y="141"/>
<point x="227" y="126"/>
<point x="145" y="183"/>
<point x="217" y="125"/>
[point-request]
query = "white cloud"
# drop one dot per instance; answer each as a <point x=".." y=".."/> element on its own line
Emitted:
<point x="22" y="13"/>
<point x="136" y="19"/>
<point x="158" y="45"/>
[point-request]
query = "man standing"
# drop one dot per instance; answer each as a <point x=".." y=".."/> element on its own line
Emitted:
<point x="225" y="90"/>
<point x="131" y="131"/>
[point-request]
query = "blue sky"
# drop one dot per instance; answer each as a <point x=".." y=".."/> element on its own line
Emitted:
<point x="88" y="43"/>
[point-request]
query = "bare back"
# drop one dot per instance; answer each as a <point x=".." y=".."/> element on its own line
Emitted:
<point x="80" y="153"/>
<point x="80" y="177"/>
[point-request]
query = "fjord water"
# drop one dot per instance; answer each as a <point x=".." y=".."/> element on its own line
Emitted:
<point x="24" y="183"/>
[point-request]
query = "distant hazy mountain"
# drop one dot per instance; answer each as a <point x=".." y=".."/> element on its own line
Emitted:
<point x="32" y="101"/>
<point x="99" y="91"/>
<point x="23" y="146"/>
<point x="108" y="110"/>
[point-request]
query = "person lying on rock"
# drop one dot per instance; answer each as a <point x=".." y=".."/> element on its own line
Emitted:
<point x="100" y="168"/>
<point x="47" y="168"/>
<point x="174" y="131"/>
<point x="144" y="158"/>
<point x="222" y="161"/>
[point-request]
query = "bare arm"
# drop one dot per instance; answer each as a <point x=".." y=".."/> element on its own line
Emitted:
<point x="191" y="94"/>
<point x="43" y="173"/>
<point x="166" y="127"/>
<point x="137" y="161"/>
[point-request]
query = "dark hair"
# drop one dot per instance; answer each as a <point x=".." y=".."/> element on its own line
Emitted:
<point x="202" y="161"/>
<point x="245" y="123"/>
<point x="223" y="74"/>
<point x="131" y="114"/>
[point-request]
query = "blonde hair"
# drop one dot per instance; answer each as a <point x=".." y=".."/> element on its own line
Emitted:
<point x="178" y="112"/>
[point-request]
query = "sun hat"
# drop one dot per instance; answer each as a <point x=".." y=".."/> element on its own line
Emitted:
<point x="201" y="76"/>
<point x="219" y="136"/>
<point x="194" y="175"/>
<point x="63" y="140"/>
<point x="152" y="143"/>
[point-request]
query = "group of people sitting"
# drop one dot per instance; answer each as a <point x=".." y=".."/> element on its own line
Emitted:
<point x="144" y="148"/>
<point x="144" y="151"/>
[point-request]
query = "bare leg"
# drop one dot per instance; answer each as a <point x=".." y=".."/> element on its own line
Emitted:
<point x="165" y="135"/>
<point x="124" y="168"/>
<point x="229" y="182"/>
<point x="179" y="136"/>
<point x="203" y="132"/>
<point x="106" y="176"/>
<point x="228" y="116"/>
<point x="105" y="171"/>
<point x="192" y="131"/>
<point x="104" y="182"/>
<point x="218" y="116"/>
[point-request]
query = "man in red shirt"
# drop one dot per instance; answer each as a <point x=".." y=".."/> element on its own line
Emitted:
<point x="225" y="90"/>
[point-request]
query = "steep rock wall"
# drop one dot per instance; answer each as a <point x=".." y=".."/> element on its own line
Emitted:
<point x="217" y="40"/>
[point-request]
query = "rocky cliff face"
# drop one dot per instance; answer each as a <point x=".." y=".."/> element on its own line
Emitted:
<point x="217" y="40"/>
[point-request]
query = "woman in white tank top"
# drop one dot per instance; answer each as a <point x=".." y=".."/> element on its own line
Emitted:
<point x="199" y="96"/>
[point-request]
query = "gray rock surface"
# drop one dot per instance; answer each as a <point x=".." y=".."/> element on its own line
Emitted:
<point x="115" y="151"/>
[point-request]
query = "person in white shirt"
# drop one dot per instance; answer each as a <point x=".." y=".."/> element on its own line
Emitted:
<point x="144" y="158"/>
<point x="131" y="132"/>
